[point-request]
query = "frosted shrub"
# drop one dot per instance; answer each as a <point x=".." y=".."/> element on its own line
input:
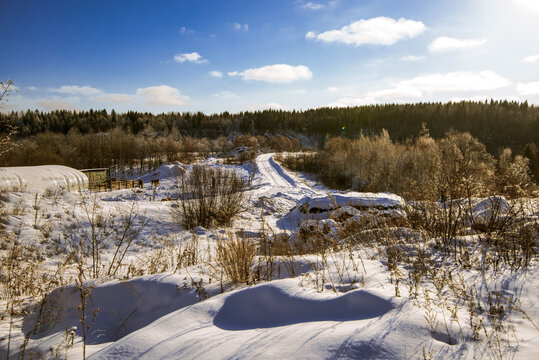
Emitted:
<point x="209" y="197"/>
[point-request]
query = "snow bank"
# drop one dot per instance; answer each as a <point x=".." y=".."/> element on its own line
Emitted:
<point x="124" y="306"/>
<point x="354" y="199"/>
<point x="42" y="178"/>
<point x="165" y="171"/>
<point x="268" y="306"/>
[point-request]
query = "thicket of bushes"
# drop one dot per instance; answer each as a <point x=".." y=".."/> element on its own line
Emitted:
<point x="119" y="149"/>
<point x="455" y="166"/>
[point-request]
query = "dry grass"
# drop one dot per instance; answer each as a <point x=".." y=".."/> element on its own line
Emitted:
<point x="236" y="257"/>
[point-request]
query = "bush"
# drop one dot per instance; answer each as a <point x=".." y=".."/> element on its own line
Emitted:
<point x="209" y="196"/>
<point x="305" y="162"/>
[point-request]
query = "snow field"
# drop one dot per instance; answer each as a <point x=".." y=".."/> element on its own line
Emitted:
<point x="338" y="303"/>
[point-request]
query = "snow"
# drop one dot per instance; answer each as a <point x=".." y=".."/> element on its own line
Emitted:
<point x="354" y="199"/>
<point x="341" y="304"/>
<point x="42" y="178"/>
<point x="165" y="171"/>
<point x="265" y="321"/>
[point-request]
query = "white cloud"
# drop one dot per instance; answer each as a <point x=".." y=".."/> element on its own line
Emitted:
<point x="75" y="89"/>
<point x="378" y="31"/>
<point x="531" y="59"/>
<point x="455" y="81"/>
<point x="332" y="89"/>
<point x="225" y="94"/>
<point x="445" y="43"/>
<point x="268" y="106"/>
<point x="51" y="105"/>
<point x="186" y="31"/>
<point x="396" y="94"/>
<point x="531" y="88"/>
<point x="114" y="98"/>
<point x="279" y="73"/>
<point x="351" y="101"/>
<point x="412" y="58"/>
<point x="298" y="91"/>
<point x="163" y="95"/>
<point x="240" y="27"/>
<point x="313" y="6"/>
<point x="32" y="88"/>
<point x="216" y="74"/>
<point x="193" y="57"/>
<point x="528" y="5"/>
<point x="416" y="88"/>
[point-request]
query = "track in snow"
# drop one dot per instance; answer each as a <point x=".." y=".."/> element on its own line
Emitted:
<point x="273" y="172"/>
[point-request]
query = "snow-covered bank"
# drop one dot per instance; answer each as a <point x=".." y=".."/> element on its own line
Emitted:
<point x="349" y="276"/>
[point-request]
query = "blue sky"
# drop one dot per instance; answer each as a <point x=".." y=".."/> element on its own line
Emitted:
<point x="215" y="56"/>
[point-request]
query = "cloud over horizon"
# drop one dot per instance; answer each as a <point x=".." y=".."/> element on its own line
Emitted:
<point x="75" y="89"/>
<point x="53" y="104"/>
<point x="114" y="98"/>
<point x="531" y="88"/>
<point x="417" y="87"/>
<point x="162" y="95"/>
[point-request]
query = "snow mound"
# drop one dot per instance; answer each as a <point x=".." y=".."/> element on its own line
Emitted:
<point x="165" y="171"/>
<point x="42" y="178"/>
<point x="342" y="207"/>
<point x="124" y="306"/>
<point x="268" y="306"/>
<point x="355" y="199"/>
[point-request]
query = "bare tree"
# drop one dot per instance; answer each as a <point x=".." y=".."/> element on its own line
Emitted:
<point x="6" y="131"/>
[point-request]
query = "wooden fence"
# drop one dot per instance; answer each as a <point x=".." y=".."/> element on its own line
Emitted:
<point x="114" y="184"/>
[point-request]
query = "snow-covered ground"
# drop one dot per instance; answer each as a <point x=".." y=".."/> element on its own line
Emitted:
<point x="341" y="304"/>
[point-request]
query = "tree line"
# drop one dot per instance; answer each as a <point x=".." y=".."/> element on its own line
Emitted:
<point x="99" y="138"/>
<point x="497" y="124"/>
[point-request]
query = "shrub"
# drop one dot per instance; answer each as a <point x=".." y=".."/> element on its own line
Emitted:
<point x="513" y="174"/>
<point x="466" y="167"/>
<point x="209" y="196"/>
<point x="305" y="162"/>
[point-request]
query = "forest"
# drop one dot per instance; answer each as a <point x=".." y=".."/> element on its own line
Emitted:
<point x="87" y="139"/>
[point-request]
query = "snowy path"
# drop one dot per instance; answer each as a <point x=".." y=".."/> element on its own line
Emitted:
<point x="270" y="170"/>
<point x="273" y="179"/>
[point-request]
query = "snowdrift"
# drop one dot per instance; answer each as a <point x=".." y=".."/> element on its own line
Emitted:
<point x="42" y="178"/>
<point x="335" y="206"/>
<point x="269" y="321"/>
<point x="268" y="306"/>
<point x="165" y="171"/>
